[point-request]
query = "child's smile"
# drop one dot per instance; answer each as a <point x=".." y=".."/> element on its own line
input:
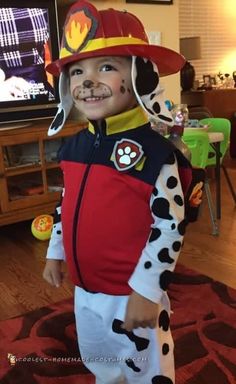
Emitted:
<point x="90" y="92"/>
<point x="102" y="87"/>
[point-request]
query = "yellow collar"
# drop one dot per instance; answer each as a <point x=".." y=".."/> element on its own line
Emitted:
<point x="123" y="122"/>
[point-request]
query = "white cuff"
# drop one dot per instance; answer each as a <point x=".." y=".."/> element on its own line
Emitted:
<point x="55" y="249"/>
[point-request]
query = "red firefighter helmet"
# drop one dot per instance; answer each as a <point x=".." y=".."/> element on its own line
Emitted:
<point x="90" y="33"/>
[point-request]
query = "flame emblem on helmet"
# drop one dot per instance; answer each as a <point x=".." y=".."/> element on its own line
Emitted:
<point x="79" y="28"/>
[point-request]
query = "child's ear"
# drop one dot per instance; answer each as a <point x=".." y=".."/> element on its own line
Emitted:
<point x="65" y="105"/>
<point x="147" y="88"/>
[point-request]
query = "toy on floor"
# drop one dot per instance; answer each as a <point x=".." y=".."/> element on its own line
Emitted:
<point x="41" y="227"/>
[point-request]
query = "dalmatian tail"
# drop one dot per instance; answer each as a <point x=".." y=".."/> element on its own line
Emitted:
<point x="64" y="107"/>
<point x="148" y="91"/>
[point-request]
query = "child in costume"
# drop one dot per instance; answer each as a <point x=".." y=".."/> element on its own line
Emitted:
<point x="121" y="223"/>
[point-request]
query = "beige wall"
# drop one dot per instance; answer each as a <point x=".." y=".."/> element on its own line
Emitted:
<point x="162" y="18"/>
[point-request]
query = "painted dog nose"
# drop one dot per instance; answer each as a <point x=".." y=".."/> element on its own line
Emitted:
<point x="88" y="83"/>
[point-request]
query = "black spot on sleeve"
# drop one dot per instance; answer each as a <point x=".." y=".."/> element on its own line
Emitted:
<point x="161" y="380"/>
<point x="165" y="279"/>
<point x="130" y="364"/>
<point x="140" y="342"/>
<point x="176" y="246"/>
<point x="172" y="182"/>
<point x="182" y="227"/>
<point x="155" y="234"/>
<point x="164" y="320"/>
<point x="164" y="256"/>
<point x="179" y="201"/>
<point x="161" y="207"/>
<point x="170" y="160"/>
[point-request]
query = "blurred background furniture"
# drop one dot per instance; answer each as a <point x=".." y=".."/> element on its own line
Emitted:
<point x="190" y="48"/>
<point x="199" y="113"/>
<point x="232" y="145"/>
<point x="220" y="103"/>
<point x="198" y="142"/>
<point x="224" y="126"/>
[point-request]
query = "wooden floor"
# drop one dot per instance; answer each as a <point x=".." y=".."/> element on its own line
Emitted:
<point x="22" y="258"/>
<point x="214" y="256"/>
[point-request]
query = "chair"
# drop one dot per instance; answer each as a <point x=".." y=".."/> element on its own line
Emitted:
<point x="199" y="112"/>
<point x="217" y="124"/>
<point x="198" y="143"/>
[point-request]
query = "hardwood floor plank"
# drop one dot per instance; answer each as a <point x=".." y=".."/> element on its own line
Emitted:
<point x="214" y="255"/>
<point x="22" y="263"/>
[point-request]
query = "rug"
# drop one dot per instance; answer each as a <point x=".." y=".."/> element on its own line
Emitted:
<point x="40" y="347"/>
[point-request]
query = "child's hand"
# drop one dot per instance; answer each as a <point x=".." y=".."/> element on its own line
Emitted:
<point x="52" y="272"/>
<point x="140" y="312"/>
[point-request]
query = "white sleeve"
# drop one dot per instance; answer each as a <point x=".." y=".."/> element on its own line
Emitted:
<point x="55" y="249"/>
<point x="157" y="261"/>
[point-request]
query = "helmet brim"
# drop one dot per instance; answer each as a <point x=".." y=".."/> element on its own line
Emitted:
<point x="167" y="60"/>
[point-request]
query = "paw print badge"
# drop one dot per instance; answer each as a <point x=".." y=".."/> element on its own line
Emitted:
<point x="126" y="154"/>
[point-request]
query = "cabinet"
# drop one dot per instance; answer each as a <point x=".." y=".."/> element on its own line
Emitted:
<point x="30" y="177"/>
<point x="221" y="102"/>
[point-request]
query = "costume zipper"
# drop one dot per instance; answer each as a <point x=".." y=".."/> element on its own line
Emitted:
<point x="78" y="205"/>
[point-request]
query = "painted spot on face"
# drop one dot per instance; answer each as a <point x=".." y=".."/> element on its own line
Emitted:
<point x="82" y="92"/>
<point x="122" y="89"/>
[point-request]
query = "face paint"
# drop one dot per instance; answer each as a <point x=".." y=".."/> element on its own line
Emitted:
<point x="122" y="89"/>
<point x="99" y="90"/>
<point x="99" y="86"/>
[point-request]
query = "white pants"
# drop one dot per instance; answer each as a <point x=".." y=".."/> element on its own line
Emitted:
<point x="116" y="356"/>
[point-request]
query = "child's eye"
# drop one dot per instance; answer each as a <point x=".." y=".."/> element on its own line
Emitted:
<point x="76" y="72"/>
<point x="107" y="67"/>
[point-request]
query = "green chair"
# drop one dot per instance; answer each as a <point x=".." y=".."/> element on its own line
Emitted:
<point x="217" y="124"/>
<point x="222" y="125"/>
<point x="198" y="142"/>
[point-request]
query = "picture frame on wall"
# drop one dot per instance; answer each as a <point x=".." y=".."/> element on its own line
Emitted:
<point x="166" y="2"/>
<point x="206" y="79"/>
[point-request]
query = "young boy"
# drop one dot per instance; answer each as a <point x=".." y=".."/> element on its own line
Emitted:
<point x="121" y="222"/>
